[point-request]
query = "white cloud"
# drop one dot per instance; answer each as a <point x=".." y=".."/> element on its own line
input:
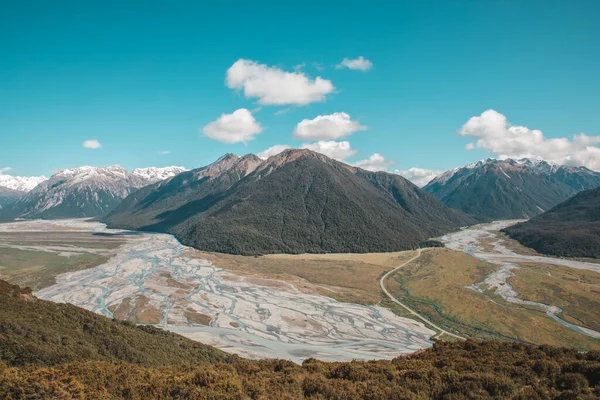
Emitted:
<point x="273" y="86"/>
<point x="282" y="111"/>
<point x="326" y="127"/>
<point x="4" y="170"/>
<point x="336" y="150"/>
<point x="359" y="63"/>
<point x="91" y="144"/>
<point x="273" y="150"/>
<point x="494" y="133"/>
<point x="233" y="128"/>
<point x="418" y="176"/>
<point x="376" y="162"/>
<point x="164" y="152"/>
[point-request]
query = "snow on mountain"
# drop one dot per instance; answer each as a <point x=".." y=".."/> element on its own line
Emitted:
<point x="154" y="174"/>
<point x="86" y="191"/>
<point x="509" y="188"/>
<point x="20" y="183"/>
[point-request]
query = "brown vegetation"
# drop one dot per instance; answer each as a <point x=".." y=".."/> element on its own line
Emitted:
<point x="465" y="370"/>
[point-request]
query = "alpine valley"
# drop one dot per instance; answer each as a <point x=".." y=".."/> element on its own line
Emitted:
<point x="238" y="276"/>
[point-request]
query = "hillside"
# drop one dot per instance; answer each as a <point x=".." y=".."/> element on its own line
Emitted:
<point x="571" y="229"/>
<point x="465" y="370"/>
<point x="510" y="189"/>
<point x="34" y="331"/>
<point x="298" y="201"/>
<point x="9" y="196"/>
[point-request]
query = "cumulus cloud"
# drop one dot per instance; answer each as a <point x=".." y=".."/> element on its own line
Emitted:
<point x="327" y="127"/>
<point x="360" y="63"/>
<point x="376" y="162"/>
<point x="494" y="133"/>
<point x="5" y="169"/>
<point x="418" y="176"/>
<point x="240" y="126"/>
<point x="164" y="152"/>
<point x="273" y="86"/>
<point x="273" y="150"/>
<point x="336" y="150"/>
<point x="91" y="144"/>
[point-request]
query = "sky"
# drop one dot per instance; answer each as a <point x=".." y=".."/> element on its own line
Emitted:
<point x="427" y="85"/>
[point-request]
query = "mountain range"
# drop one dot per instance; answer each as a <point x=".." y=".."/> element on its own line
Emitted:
<point x="83" y="192"/>
<point x="571" y="229"/>
<point x="510" y="189"/>
<point x="297" y="201"/>
<point x="14" y="187"/>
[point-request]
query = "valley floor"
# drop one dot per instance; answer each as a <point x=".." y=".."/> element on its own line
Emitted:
<point x="326" y="306"/>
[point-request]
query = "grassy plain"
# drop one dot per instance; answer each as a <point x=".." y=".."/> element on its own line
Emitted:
<point x="344" y="277"/>
<point x="34" y="259"/>
<point x="576" y="292"/>
<point x="435" y="286"/>
<point x="37" y="269"/>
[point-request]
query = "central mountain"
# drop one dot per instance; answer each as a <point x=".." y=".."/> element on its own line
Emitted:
<point x="297" y="201"/>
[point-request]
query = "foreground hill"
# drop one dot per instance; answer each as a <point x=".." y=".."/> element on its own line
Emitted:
<point x="42" y="332"/>
<point x="59" y="351"/>
<point x="510" y="189"/>
<point x="465" y="370"/>
<point x="571" y="229"/>
<point x="298" y="201"/>
<point x="85" y="192"/>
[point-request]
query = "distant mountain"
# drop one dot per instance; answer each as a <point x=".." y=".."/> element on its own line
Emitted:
<point x="9" y="196"/>
<point x="297" y="201"/>
<point x="571" y="229"/>
<point x="154" y="174"/>
<point x="12" y="188"/>
<point x="85" y="192"/>
<point x="20" y="183"/>
<point x="507" y="189"/>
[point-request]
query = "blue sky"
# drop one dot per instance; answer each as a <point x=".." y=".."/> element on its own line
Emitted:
<point x="146" y="77"/>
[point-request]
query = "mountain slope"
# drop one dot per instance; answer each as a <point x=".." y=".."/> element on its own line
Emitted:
<point x="295" y="202"/>
<point x="85" y="192"/>
<point x="34" y="331"/>
<point x="571" y="229"/>
<point x="9" y="196"/>
<point x="509" y="189"/>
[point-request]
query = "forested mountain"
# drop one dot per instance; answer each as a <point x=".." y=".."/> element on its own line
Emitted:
<point x="510" y="189"/>
<point x="295" y="202"/>
<point x="571" y="229"/>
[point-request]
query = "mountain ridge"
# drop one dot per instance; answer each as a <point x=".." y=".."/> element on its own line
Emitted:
<point x="571" y="229"/>
<point x="294" y="202"/>
<point x="84" y="191"/>
<point x="510" y="189"/>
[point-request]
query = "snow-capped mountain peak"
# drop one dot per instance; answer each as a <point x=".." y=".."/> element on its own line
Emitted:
<point x="87" y="191"/>
<point x="20" y="183"/>
<point x="155" y="174"/>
